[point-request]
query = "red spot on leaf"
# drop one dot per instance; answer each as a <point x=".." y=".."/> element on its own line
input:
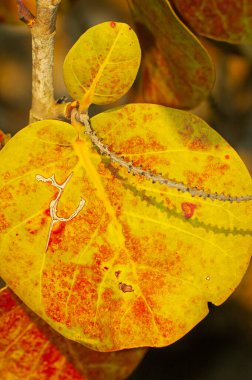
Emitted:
<point x="125" y="288"/>
<point x="117" y="273"/>
<point x="140" y="308"/>
<point x="98" y="262"/>
<point x="227" y="157"/>
<point x="33" y="232"/>
<point x="113" y="24"/>
<point x="188" y="209"/>
<point x="3" y="223"/>
<point x="43" y="221"/>
<point x="47" y="212"/>
<point x="57" y="234"/>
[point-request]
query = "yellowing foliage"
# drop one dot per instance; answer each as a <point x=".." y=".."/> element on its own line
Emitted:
<point x="176" y="69"/>
<point x="139" y="262"/>
<point x="226" y="20"/>
<point x="102" y="65"/>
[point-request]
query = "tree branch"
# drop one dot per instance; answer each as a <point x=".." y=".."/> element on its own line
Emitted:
<point x="43" y="39"/>
<point x="25" y="14"/>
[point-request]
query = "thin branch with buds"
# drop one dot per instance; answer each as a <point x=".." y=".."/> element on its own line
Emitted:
<point x="25" y="14"/>
<point x="83" y="118"/>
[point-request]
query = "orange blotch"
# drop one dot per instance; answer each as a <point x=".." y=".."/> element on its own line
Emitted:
<point x="227" y="157"/>
<point x="113" y="24"/>
<point x="33" y="232"/>
<point x="57" y="234"/>
<point x="107" y="295"/>
<point x="55" y="312"/>
<point x="188" y="209"/>
<point x="47" y="212"/>
<point x="105" y="251"/>
<point x="199" y="143"/>
<point x="43" y="221"/>
<point x="140" y="308"/>
<point x="132" y="145"/>
<point x="3" y="223"/>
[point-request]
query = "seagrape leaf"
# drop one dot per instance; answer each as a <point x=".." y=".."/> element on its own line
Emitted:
<point x="102" y="65"/>
<point x="30" y="349"/>
<point x="138" y="263"/>
<point x="229" y="21"/>
<point x="176" y="69"/>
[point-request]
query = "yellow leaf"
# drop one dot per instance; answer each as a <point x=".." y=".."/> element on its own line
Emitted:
<point x="138" y="263"/>
<point x="102" y="65"/>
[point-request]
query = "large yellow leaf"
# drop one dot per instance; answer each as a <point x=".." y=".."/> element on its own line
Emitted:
<point x="102" y="65"/>
<point x="139" y="262"/>
<point x="176" y="69"/>
<point x="229" y="21"/>
<point x="30" y="349"/>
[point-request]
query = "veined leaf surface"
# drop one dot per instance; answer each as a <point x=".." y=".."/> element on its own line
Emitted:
<point x="138" y="264"/>
<point x="176" y="69"/>
<point x="102" y="65"/>
<point x="227" y="20"/>
<point x="30" y="349"/>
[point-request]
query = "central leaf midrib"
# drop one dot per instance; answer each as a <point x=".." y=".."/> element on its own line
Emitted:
<point x="83" y="153"/>
<point x="103" y="65"/>
<point x="94" y="178"/>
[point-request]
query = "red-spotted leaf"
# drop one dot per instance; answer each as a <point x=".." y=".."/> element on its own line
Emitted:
<point x="226" y="20"/>
<point x="113" y="260"/>
<point x="102" y="65"/>
<point x="176" y="69"/>
<point x="30" y="349"/>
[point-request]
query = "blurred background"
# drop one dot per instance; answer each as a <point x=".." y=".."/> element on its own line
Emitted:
<point x="220" y="347"/>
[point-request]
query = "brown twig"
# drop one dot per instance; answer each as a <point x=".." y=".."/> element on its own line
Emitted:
<point x="25" y="14"/>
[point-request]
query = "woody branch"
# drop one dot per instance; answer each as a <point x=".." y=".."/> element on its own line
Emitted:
<point x="43" y="29"/>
